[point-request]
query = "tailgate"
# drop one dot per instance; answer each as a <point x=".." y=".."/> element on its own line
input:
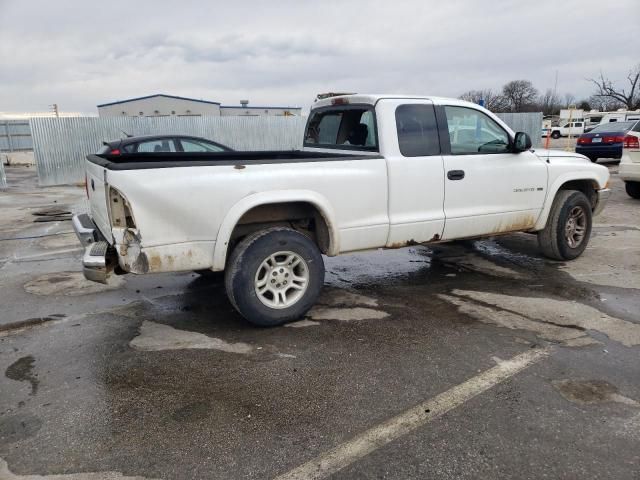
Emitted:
<point x="97" y="189"/>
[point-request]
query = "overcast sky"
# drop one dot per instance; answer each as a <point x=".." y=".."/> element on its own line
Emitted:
<point x="82" y="53"/>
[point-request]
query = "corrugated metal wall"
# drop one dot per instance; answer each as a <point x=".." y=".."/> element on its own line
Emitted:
<point x="3" y="178"/>
<point x="61" y="144"/>
<point x="15" y="136"/>
<point x="529" y="122"/>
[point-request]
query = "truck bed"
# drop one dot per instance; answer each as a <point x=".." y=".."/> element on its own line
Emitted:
<point x="139" y="161"/>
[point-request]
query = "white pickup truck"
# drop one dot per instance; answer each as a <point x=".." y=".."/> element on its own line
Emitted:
<point x="376" y="171"/>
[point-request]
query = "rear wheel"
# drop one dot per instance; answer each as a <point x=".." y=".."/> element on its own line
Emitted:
<point x="633" y="189"/>
<point x="568" y="227"/>
<point x="274" y="276"/>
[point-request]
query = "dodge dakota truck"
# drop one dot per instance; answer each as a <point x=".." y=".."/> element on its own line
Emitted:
<point x="375" y="171"/>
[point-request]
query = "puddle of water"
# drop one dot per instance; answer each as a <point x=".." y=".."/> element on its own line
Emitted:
<point x="590" y="392"/>
<point x="22" y="371"/>
<point x="157" y="337"/>
<point x="69" y="283"/>
<point x="379" y="267"/>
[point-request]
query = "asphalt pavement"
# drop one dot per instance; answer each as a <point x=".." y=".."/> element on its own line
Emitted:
<point x="476" y="359"/>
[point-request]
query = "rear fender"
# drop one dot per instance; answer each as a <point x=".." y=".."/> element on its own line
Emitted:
<point x="264" y="198"/>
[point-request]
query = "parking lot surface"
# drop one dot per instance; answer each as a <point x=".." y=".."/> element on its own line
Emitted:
<point x="477" y="359"/>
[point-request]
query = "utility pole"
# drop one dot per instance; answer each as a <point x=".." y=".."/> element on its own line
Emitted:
<point x="54" y="109"/>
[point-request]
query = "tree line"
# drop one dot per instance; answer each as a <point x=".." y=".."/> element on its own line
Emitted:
<point x="522" y="96"/>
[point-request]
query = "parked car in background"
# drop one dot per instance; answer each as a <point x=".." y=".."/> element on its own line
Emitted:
<point x="604" y="141"/>
<point x="162" y="143"/>
<point x="630" y="162"/>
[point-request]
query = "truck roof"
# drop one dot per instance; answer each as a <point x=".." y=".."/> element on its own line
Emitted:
<point x="372" y="99"/>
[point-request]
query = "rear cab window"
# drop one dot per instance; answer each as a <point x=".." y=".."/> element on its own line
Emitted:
<point x="417" y="130"/>
<point x="351" y="127"/>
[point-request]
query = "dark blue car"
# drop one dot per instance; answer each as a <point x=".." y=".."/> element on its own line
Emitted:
<point x="604" y="141"/>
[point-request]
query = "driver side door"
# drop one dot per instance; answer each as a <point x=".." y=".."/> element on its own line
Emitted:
<point x="488" y="188"/>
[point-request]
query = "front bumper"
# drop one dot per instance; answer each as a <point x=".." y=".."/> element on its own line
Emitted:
<point x="98" y="259"/>
<point x="603" y="198"/>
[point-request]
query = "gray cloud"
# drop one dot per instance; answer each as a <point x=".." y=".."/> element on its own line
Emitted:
<point x="79" y="54"/>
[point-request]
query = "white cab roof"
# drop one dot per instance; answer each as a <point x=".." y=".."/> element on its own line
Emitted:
<point x="372" y="99"/>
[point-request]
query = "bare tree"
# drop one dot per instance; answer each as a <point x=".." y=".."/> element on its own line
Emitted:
<point x="520" y="95"/>
<point x="629" y="98"/>
<point x="569" y="99"/>
<point x="492" y="101"/>
<point x="604" y="104"/>
<point x="549" y="102"/>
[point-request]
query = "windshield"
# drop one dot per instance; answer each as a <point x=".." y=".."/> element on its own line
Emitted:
<point x="350" y="128"/>
<point x="613" y="127"/>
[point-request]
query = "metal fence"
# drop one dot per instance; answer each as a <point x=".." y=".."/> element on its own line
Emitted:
<point x="15" y="136"/>
<point x="3" y="178"/>
<point x="529" y="122"/>
<point x="62" y="144"/>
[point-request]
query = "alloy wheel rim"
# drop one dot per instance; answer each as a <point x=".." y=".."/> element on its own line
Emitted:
<point x="576" y="227"/>
<point x="281" y="280"/>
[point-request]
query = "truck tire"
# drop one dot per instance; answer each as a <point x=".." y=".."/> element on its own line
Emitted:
<point x="568" y="227"/>
<point x="633" y="189"/>
<point x="555" y="134"/>
<point x="274" y="276"/>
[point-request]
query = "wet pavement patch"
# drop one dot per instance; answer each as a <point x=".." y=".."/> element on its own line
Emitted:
<point x="69" y="283"/>
<point x="22" y="371"/>
<point x="18" y="427"/>
<point x="590" y="392"/>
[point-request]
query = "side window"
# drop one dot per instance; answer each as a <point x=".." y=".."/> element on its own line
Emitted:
<point x="471" y="131"/>
<point x="417" y="130"/>
<point x="191" y="145"/>
<point x="637" y="127"/>
<point x="579" y="124"/>
<point x="157" y="146"/>
<point x="352" y="128"/>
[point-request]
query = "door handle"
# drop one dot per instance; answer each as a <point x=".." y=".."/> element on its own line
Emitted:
<point x="455" y="174"/>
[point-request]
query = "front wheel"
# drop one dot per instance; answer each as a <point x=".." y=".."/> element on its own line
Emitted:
<point x="633" y="189"/>
<point x="274" y="276"/>
<point x="555" y="135"/>
<point x="568" y="228"/>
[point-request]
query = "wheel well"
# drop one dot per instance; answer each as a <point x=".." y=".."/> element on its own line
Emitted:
<point x="301" y="216"/>
<point x="588" y="187"/>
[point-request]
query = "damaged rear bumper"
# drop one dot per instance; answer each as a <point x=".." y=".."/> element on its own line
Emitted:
<point x="98" y="260"/>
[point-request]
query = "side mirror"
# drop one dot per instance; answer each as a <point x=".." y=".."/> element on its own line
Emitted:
<point x="522" y="142"/>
